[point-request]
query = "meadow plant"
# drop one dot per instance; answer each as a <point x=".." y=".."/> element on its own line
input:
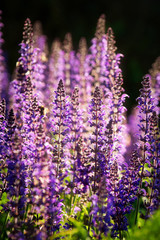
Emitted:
<point x="67" y="169"/>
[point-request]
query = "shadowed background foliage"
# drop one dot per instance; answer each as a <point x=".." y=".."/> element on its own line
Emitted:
<point x="135" y="24"/>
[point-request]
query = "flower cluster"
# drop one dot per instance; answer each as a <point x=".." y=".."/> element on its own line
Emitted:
<point x="66" y="167"/>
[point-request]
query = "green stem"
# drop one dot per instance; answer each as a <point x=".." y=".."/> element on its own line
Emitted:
<point x="71" y="201"/>
<point x="4" y="224"/>
<point x="120" y="235"/>
<point x="137" y="210"/>
<point x="89" y="224"/>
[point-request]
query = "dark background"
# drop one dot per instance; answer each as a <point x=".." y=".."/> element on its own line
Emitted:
<point x="136" y="25"/>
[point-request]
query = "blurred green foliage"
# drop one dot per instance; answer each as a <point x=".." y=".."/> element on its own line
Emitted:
<point x="149" y="231"/>
<point x="77" y="232"/>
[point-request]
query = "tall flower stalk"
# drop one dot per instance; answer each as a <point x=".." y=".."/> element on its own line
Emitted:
<point x="16" y="182"/>
<point x="97" y="139"/>
<point x="96" y="59"/>
<point x="75" y="131"/>
<point x="60" y="128"/>
<point x="122" y="193"/>
<point x="3" y="146"/>
<point x="81" y="78"/>
<point x="145" y="105"/>
<point x="153" y="196"/>
<point x="4" y="77"/>
<point x="69" y="56"/>
<point x="155" y="83"/>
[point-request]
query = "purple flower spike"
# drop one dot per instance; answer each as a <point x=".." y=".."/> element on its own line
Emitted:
<point x="154" y="185"/>
<point x="81" y="71"/>
<point x="69" y="57"/>
<point x="4" y="78"/>
<point x="155" y="83"/>
<point x="24" y="71"/>
<point x="60" y="121"/>
<point x="83" y="170"/>
<point x="26" y="50"/>
<point x="98" y="160"/>
<point x="146" y="107"/>
<point x="3" y="146"/>
<point x="45" y="202"/>
<point x="96" y="60"/>
<point x="56" y="66"/>
<point x="76" y="129"/>
<point x="16" y="179"/>
<point x="117" y="116"/>
<point x="40" y="65"/>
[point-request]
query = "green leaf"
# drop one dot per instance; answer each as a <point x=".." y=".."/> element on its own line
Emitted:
<point x="150" y="230"/>
<point x="4" y="199"/>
